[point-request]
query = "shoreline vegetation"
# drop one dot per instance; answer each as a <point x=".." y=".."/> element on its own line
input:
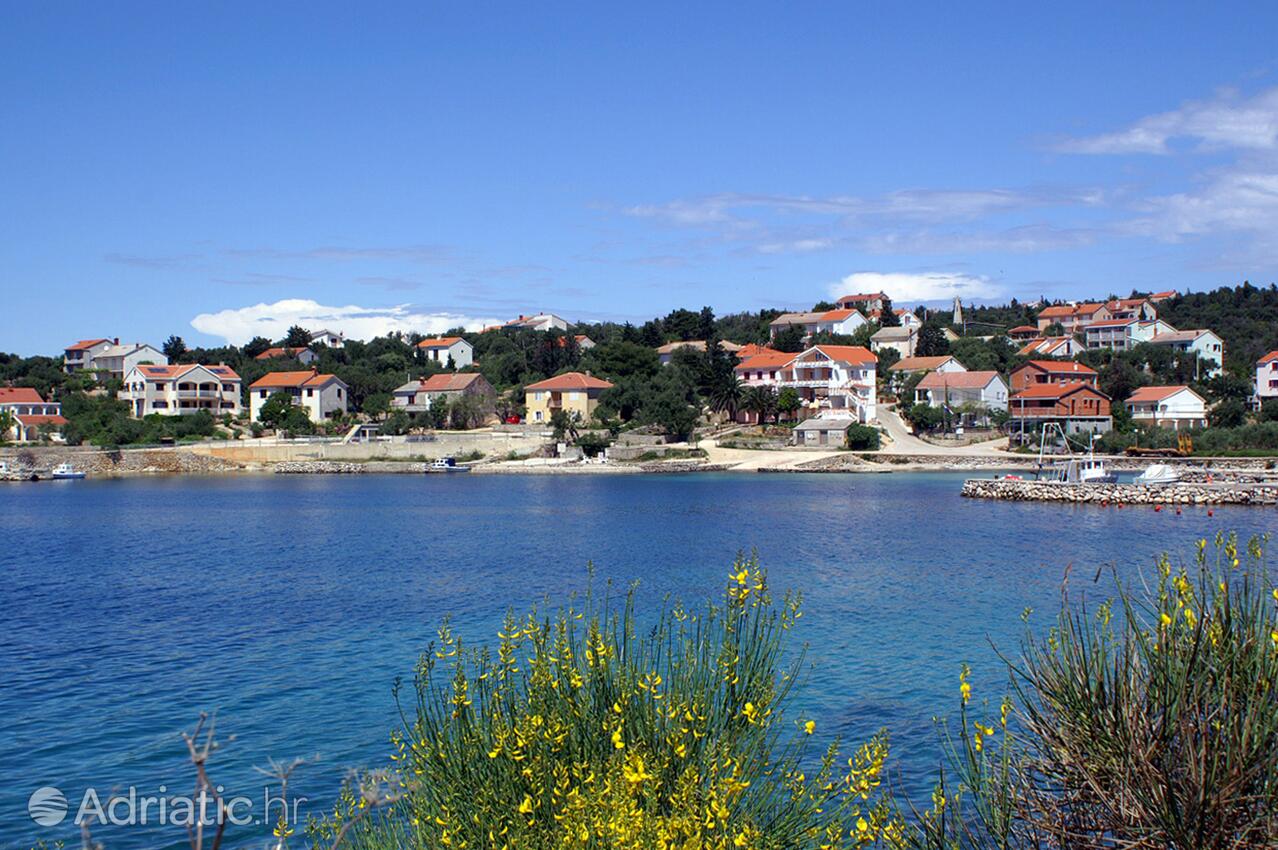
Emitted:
<point x="1149" y="719"/>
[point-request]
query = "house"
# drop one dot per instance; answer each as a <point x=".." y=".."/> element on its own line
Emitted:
<point x="539" y="322"/>
<point x="763" y="369"/>
<point x="806" y="322"/>
<point x="448" y="350"/>
<point x="750" y="349"/>
<point x="842" y="321"/>
<point x="665" y="353"/>
<point x="834" y="380"/>
<point x="1141" y="309"/>
<point x="902" y="339"/>
<point x="109" y="358"/>
<point x="904" y="317"/>
<point x="865" y="302"/>
<point x="1163" y="296"/>
<point x="283" y="353"/>
<point x="1267" y="377"/>
<point x="1023" y="333"/>
<point x="79" y="356"/>
<point x="1072" y="317"/>
<point x="1051" y="346"/>
<point x="1077" y="406"/>
<point x="419" y="396"/>
<point x="177" y="390"/>
<point x="983" y="389"/>
<point x="1204" y="343"/>
<point x="1037" y="372"/>
<point x="575" y="393"/>
<point x="332" y="339"/>
<point x="941" y="363"/>
<point x="822" y="431"/>
<point x="1123" y="334"/>
<point x="31" y="414"/>
<point x="322" y="396"/>
<point x="1168" y="407"/>
<point x="585" y="343"/>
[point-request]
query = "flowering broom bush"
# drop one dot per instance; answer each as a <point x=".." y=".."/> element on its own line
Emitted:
<point x="1151" y="722"/>
<point x="585" y="730"/>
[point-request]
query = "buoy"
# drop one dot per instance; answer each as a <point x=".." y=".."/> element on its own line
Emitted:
<point x="1178" y="512"/>
<point x="1104" y="503"/>
<point x="1157" y="508"/>
<point x="1210" y="512"/>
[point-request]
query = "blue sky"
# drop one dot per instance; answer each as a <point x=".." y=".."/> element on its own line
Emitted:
<point x="223" y="171"/>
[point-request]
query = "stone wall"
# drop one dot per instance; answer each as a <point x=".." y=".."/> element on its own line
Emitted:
<point x="1121" y="494"/>
<point x="24" y="462"/>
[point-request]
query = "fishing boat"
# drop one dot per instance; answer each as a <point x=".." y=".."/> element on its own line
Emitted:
<point x="64" y="471"/>
<point x="447" y="464"/>
<point x="1088" y="469"/>
<point x="1158" y="473"/>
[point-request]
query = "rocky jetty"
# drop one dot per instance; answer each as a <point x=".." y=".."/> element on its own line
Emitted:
<point x="1121" y="494"/>
<point x="319" y="467"/>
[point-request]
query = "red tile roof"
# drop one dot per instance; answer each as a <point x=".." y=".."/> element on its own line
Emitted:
<point x="766" y="360"/>
<point x="750" y="349"/>
<point x="957" y="380"/>
<point x="281" y="380"/>
<point x="1062" y="366"/>
<point x="838" y="315"/>
<point x="445" y="382"/>
<point x="1059" y="311"/>
<point x="169" y="372"/>
<point x="1055" y="390"/>
<point x="1273" y="355"/>
<point x="85" y="343"/>
<point x="861" y="297"/>
<point x="1112" y="323"/>
<point x="920" y="364"/>
<point x="1156" y="393"/>
<point x="19" y="395"/>
<point x="855" y="354"/>
<point x="570" y="381"/>
<point x="1019" y="329"/>
<point x="279" y="351"/>
<point x="30" y="419"/>
<point x="440" y="342"/>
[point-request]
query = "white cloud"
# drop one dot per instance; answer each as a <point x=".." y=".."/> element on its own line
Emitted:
<point x="912" y="286"/>
<point x="238" y="326"/>
<point x="1225" y="121"/>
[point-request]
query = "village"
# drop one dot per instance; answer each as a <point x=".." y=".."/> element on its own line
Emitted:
<point x="859" y="375"/>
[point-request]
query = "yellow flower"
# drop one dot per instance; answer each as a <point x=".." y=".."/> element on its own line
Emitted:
<point x="809" y="727"/>
<point x="526" y="806"/>
<point x="681" y="750"/>
<point x="1165" y="619"/>
<point x="750" y="713"/>
<point x="1189" y="617"/>
<point x="861" y="825"/>
<point x="634" y="772"/>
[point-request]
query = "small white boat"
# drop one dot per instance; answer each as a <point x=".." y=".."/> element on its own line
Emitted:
<point x="1158" y="473"/>
<point x="447" y="464"/>
<point x="1087" y="469"/>
<point x="65" y="471"/>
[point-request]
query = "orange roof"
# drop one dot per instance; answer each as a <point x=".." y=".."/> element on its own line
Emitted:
<point x="1061" y="366"/>
<point x="19" y="395"/>
<point x="440" y="342"/>
<point x="766" y="360"/>
<point x="85" y="343"/>
<point x="1125" y="303"/>
<point x="283" y="380"/>
<point x="279" y="351"/>
<point x="447" y="383"/>
<point x="860" y="297"/>
<point x="29" y="419"/>
<point x="1023" y="329"/>
<point x="1056" y="390"/>
<point x="957" y="380"/>
<point x="1273" y="355"/>
<point x="838" y="315"/>
<point x="1088" y="309"/>
<point x="920" y="364"/>
<point x="1059" y="311"/>
<point x="750" y="349"/>
<point x="1112" y="323"/>
<point x="570" y="381"/>
<point x="1166" y="293"/>
<point x="848" y="353"/>
<point x="1156" y="393"/>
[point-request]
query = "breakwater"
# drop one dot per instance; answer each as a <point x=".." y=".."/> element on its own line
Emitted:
<point x="1121" y="494"/>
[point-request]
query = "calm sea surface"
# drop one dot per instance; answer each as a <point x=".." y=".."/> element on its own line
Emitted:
<point x="290" y="604"/>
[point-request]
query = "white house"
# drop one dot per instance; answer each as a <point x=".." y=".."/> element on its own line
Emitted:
<point x="1168" y="407"/>
<point x="942" y="363"/>
<point x="903" y="339"/>
<point x="986" y="390"/>
<point x="110" y="356"/>
<point x="1204" y="343"/>
<point x="1052" y="346"/>
<point x="333" y="339"/>
<point x="177" y="390"/>
<point x="30" y="413"/>
<point x="305" y="355"/>
<point x="322" y="396"/>
<point x="763" y="369"/>
<point x="420" y="395"/>
<point x="834" y="380"/>
<point x="445" y="349"/>
<point x="539" y="322"/>
<point x="1267" y="377"/>
<point x="867" y="302"/>
<point x="842" y="321"/>
<point x="1141" y="309"/>
<point x="1123" y="334"/>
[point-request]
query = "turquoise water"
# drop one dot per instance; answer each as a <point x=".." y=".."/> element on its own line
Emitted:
<point x="290" y="604"/>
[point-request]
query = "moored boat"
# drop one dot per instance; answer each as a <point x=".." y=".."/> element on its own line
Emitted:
<point x="447" y="464"/>
<point x="64" y="471"/>
<point x="1158" y="473"/>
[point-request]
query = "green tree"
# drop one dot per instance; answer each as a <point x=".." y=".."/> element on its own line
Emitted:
<point x="274" y="412"/>
<point x="1230" y="413"/>
<point x="296" y="422"/>
<point x="924" y="417"/>
<point x="762" y="401"/>
<point x="174" y="348"/>
<point x="887" y="316"/>
<point x="789" y="340"/>
<point x="376" y="405"/>
<point x="788" y="402"/>
<point x="297" y="337"/>
<point x="726" y="395"/>
<point x="931" y="342"/>
<point x="8" y="421"/>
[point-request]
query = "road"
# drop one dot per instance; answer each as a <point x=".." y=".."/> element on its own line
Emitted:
<point x="905" y="443"/>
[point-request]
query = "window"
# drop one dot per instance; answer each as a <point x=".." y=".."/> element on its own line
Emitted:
<point x="262" y="394"/>
<point x="537" y="415"/>
<point x="309" y="392"/>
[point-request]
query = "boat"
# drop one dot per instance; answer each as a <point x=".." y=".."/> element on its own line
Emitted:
<point x="64" y="471"/>
<point x="1088" y="469"/>
<point x="1158" y="473"/>
<point x="447" y="464"/>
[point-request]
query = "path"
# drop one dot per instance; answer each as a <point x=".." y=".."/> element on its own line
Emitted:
<point x="905" y="443"/>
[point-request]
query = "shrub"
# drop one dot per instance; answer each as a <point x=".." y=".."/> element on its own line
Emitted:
<point x="862" y="437"/>
<point x="585" y="729"/>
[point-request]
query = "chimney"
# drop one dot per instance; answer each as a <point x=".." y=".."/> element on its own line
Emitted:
<point x="116" y="341"/>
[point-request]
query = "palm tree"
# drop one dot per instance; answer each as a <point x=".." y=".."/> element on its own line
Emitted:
<point x="726" y="395"/>
<point x="761" y="400"/>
